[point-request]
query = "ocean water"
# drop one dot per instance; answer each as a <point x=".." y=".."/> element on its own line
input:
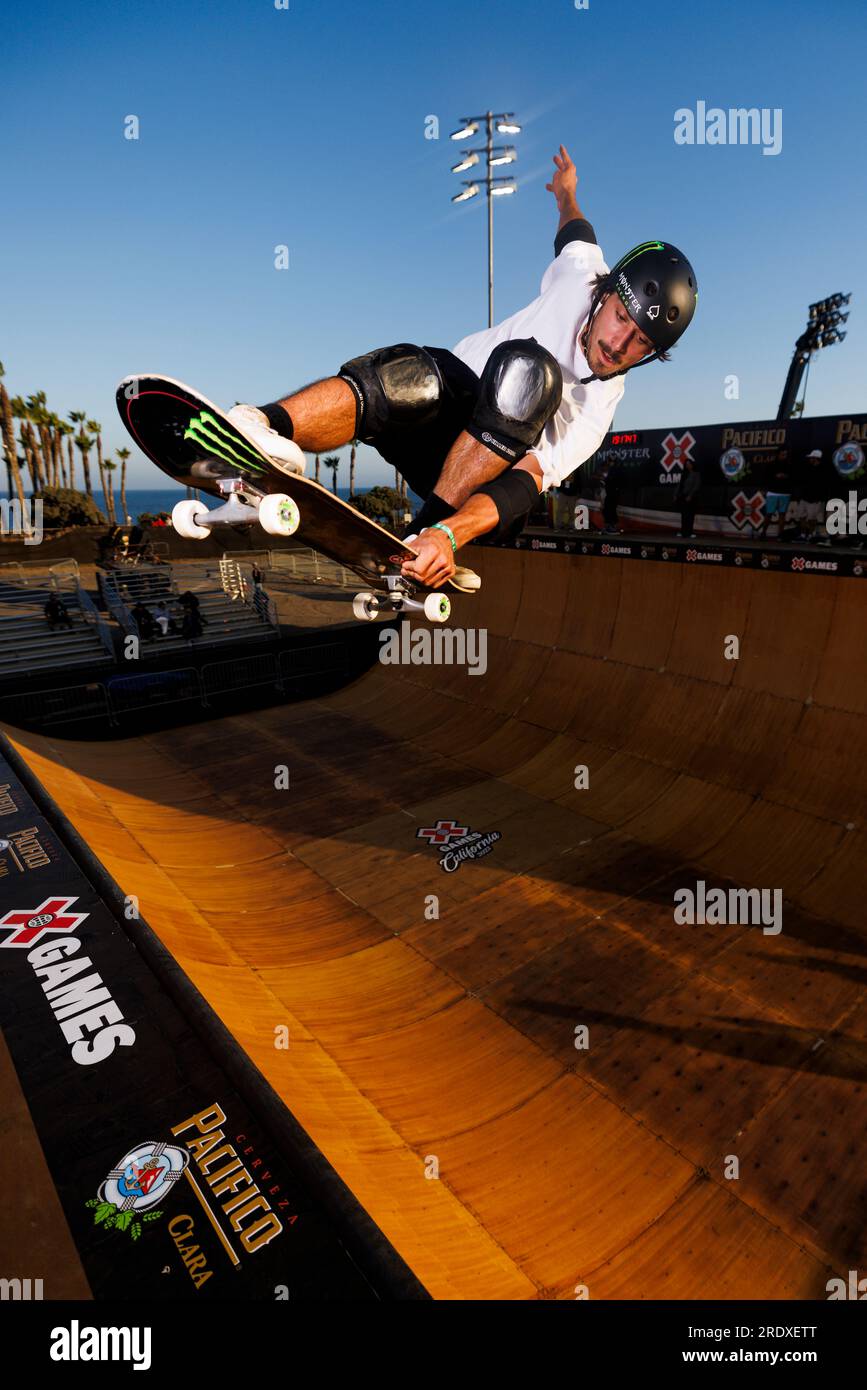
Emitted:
<point x="162" y="499"/>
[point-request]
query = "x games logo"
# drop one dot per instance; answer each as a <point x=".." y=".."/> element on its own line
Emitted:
<point x="27" y="925"/>
<point x="442" y="833"/>
<point x="457" y="843"/>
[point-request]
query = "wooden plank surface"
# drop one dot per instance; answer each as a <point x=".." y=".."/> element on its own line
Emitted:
<point x="444" y="1042"/>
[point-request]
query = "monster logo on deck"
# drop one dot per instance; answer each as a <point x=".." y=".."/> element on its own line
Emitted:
<point x="206" y="431"/>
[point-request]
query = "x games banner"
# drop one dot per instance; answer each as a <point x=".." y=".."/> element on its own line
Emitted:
<point x="170" y="1187"/>
<point x="738" y="463"/>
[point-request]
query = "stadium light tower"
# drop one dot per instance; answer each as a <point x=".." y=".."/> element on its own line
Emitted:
<point x="821" y="331"/>
<point x="505" y="124"/>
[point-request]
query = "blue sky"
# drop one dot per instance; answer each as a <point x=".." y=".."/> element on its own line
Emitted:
<point x="305" y="126"/>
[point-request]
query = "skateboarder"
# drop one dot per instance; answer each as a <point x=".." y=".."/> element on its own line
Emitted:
<point x="479" y="431"/>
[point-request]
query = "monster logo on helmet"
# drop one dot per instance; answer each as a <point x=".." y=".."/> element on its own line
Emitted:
<point x="658" y="288"/>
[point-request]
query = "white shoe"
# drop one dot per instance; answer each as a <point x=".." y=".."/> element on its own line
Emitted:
<point x="283" y="453"/>
<point x="467" y="579"/>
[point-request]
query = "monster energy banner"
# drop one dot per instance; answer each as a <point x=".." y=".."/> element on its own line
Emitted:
<point x="170" y="1187"/>
<point x="738" y="465"/>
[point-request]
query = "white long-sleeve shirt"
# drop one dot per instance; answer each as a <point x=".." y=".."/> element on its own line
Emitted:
<point x="555" y="319"/>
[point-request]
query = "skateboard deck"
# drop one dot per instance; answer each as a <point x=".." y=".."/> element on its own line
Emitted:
<point x="194" y="442"/>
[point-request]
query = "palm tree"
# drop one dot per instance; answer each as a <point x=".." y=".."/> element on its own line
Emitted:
<point x="7" y="425"/>
<point x="95" y="429"/>
<point x="332" y="461"/>
<point x="352" y="468"/>
<point x="31" y="453"/>
<point x="66" y="432"/>
<point x="21" y="411"/>
<point x="110" y="467"/>
<point x="123" y="455"/>
<point x="37" y="411"/>
<point x="85" y="444"/>
<point x="78" y="417"/>
<point x="316" y="474"/>
<point x="54" y="423"/>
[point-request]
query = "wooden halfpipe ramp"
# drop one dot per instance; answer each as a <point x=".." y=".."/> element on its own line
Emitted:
<point x="531" y="1076"/>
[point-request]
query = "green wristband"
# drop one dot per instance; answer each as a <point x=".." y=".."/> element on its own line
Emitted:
<point x="438" y="526"/>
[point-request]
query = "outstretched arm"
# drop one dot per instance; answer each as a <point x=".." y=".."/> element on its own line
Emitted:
<point x="564" y="185"/>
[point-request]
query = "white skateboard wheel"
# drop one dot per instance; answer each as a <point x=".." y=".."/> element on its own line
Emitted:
<point x="437" y="608"/>
<point x="365" y="606"/>
<point x="187" y="519"/>
<point x="279" y="515"/>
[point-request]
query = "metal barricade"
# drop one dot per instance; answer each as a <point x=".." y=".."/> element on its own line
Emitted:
<point x="61" y="705"/>
<point x="147" y="689"/>
<point x="220" y="677"/>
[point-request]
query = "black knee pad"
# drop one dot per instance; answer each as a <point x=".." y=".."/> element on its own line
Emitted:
<point x="394" y="387"/>
<point x="519" y="390"/>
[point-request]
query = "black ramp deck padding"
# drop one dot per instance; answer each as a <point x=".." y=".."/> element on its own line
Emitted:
<point x="170" y="1186"/>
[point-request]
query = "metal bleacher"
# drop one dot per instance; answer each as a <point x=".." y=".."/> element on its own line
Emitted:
<point x="27" y="644"/>
<point x="229" y="611"/>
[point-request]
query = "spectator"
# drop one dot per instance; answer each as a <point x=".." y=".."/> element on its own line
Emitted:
<point x="811" y="507"/>
<point x="778" y="495"/>
<point x="686" y="497"/>
<point x="104" y="546"/>
<point x="611" y="498"/>
<point x="56" y="614"/>
<point x="164" y="619"/>
<point x="257" y="576"/>
<point x="191" y="623"/>
<point x="144" y="622"/>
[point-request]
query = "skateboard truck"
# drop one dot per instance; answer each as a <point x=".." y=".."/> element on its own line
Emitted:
<point x="398" y="597"/>
<point x="276" y="513"/>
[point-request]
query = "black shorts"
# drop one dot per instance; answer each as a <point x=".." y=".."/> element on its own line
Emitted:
<point x="419" y="454"/>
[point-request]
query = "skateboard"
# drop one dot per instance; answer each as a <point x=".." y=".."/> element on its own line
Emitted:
<point x="194" y="442"/>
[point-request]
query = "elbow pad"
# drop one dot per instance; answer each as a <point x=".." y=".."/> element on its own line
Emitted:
<point x="579" y="229"/>
<point x="514" y="494"/>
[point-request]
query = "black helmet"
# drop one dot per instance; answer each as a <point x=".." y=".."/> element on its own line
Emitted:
<point x="658" y="288"/>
